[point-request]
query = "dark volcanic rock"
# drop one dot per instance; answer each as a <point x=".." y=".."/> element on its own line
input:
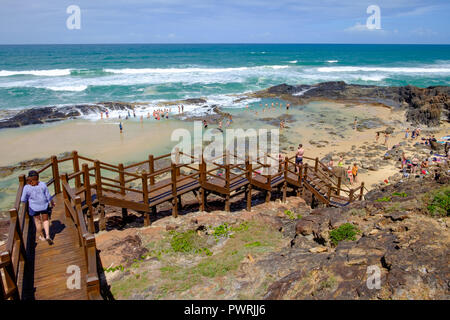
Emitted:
<point x="425" y="105"/>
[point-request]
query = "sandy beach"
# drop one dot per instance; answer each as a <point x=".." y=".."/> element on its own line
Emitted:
<point x="324" y="129"/>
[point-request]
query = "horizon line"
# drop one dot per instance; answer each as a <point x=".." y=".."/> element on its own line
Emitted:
<point x="218" y="43"/>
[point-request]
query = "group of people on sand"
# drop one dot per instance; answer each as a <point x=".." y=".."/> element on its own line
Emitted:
<point x="414" y="165"/>
<point x="352" y="173"/>
<point x="220" y="123"/>
<point x="386" y="137"/>
<point x="414" y="134"/>
<point x="273" y="106"/>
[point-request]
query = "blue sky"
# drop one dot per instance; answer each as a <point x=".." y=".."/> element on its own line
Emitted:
<point x="224" y="21"/>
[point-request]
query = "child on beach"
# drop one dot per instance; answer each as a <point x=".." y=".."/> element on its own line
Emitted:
<point x="377" y="136"/>
<point x="39" y="204"/>
<point x="403" y="160"/>
<point x="407" y="133"/>
<point x="120" y="127"/>
<point x="330" y="164"/>
<point x="355" y="172"/>
<point x="350" y="175"/>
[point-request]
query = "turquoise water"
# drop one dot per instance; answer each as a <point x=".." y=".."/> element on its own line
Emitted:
<point x="42" y="75"/>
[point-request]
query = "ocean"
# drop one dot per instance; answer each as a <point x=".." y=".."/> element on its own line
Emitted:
<point x="52" y="75"/>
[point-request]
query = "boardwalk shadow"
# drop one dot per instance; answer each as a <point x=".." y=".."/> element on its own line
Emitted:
<point x="55" y="228"/>
<point x="28" y="288"/>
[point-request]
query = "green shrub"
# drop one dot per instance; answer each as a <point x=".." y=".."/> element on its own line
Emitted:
<point x="440" y="202"/>
<point x="347" y="231"/>
<point x="183" y="241"/>
<point x="253" y="244"/>
<point x="188" y="242"/>
<point x="291" y="215"/>
<point x="222" y="231"/>
<point x="384" y="199"/>
<point x="400" y="194"/>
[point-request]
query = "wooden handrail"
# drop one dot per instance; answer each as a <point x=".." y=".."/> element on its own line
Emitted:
<point x="86" y="239"/>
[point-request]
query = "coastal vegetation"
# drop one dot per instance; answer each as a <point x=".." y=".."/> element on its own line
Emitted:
<point x="345" y="232"/>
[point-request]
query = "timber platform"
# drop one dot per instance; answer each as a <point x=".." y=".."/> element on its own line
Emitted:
<point x="30" y="270"/>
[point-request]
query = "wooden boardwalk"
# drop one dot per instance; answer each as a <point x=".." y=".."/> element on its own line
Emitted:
<point x="48" y="281"/>
<point x="30" y="271"/>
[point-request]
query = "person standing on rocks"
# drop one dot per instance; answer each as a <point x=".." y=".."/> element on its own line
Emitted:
<point x="377" y="136"/>
<point x="407" y="133"/>
<point x="386" y="138"/>
<point x="355" y="123"/>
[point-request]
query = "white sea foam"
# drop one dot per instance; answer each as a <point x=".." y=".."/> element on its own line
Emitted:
<point x="293" y="61"/>
<point x="332" y="61"/>
<point x="68" y="88"/>
<point x="386" y="69"/>
<point x="40" y="73"/>
<point x="302" y="92"/>
<point x="188" y="70"/>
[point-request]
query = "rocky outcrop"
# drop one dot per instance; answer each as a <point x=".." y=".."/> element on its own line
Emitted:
<point x="397" y="240"/>
<point x="426" y="106"/>
<point x="41" y="115"/>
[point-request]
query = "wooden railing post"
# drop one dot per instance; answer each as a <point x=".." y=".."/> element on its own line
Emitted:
<point x="329" y="193"/>
<point x="248" y="175"/>
<point x="202" y="177"/>
<point x="65" y="194"/>
<point x="227" y="176"/>
<point x="10" y="276"/>
<point x="304" y="177"/>
<point x="92" y="280"/>
<point x="121" y="178"/>
<point x="151" y="168"/>
<point x="88" y="198"/>
<point x="55" y="171"/>
<point x="362" y="191"/>
<point x="316" y="165"/>
<point x="2" y="291"/>
<point x="177" y="160"/>
<point x="174" y="190"/>
<point x="14" y="219"/>
<point x="76" y="168"/>
<point x="145" y="196"/>
<point x="351" y="195"/>
<point x="338" y="191"/>
<point x="98" y="179"/>
<point x="77" y="220"/>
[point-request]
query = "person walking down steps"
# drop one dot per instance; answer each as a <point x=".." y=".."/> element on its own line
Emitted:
<point x="40" y="203"/>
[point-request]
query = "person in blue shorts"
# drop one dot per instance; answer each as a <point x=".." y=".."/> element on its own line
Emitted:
<point x="40" y="202"/>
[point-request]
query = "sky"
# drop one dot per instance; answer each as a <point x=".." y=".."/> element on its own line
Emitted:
<point x="224" y="21"/>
